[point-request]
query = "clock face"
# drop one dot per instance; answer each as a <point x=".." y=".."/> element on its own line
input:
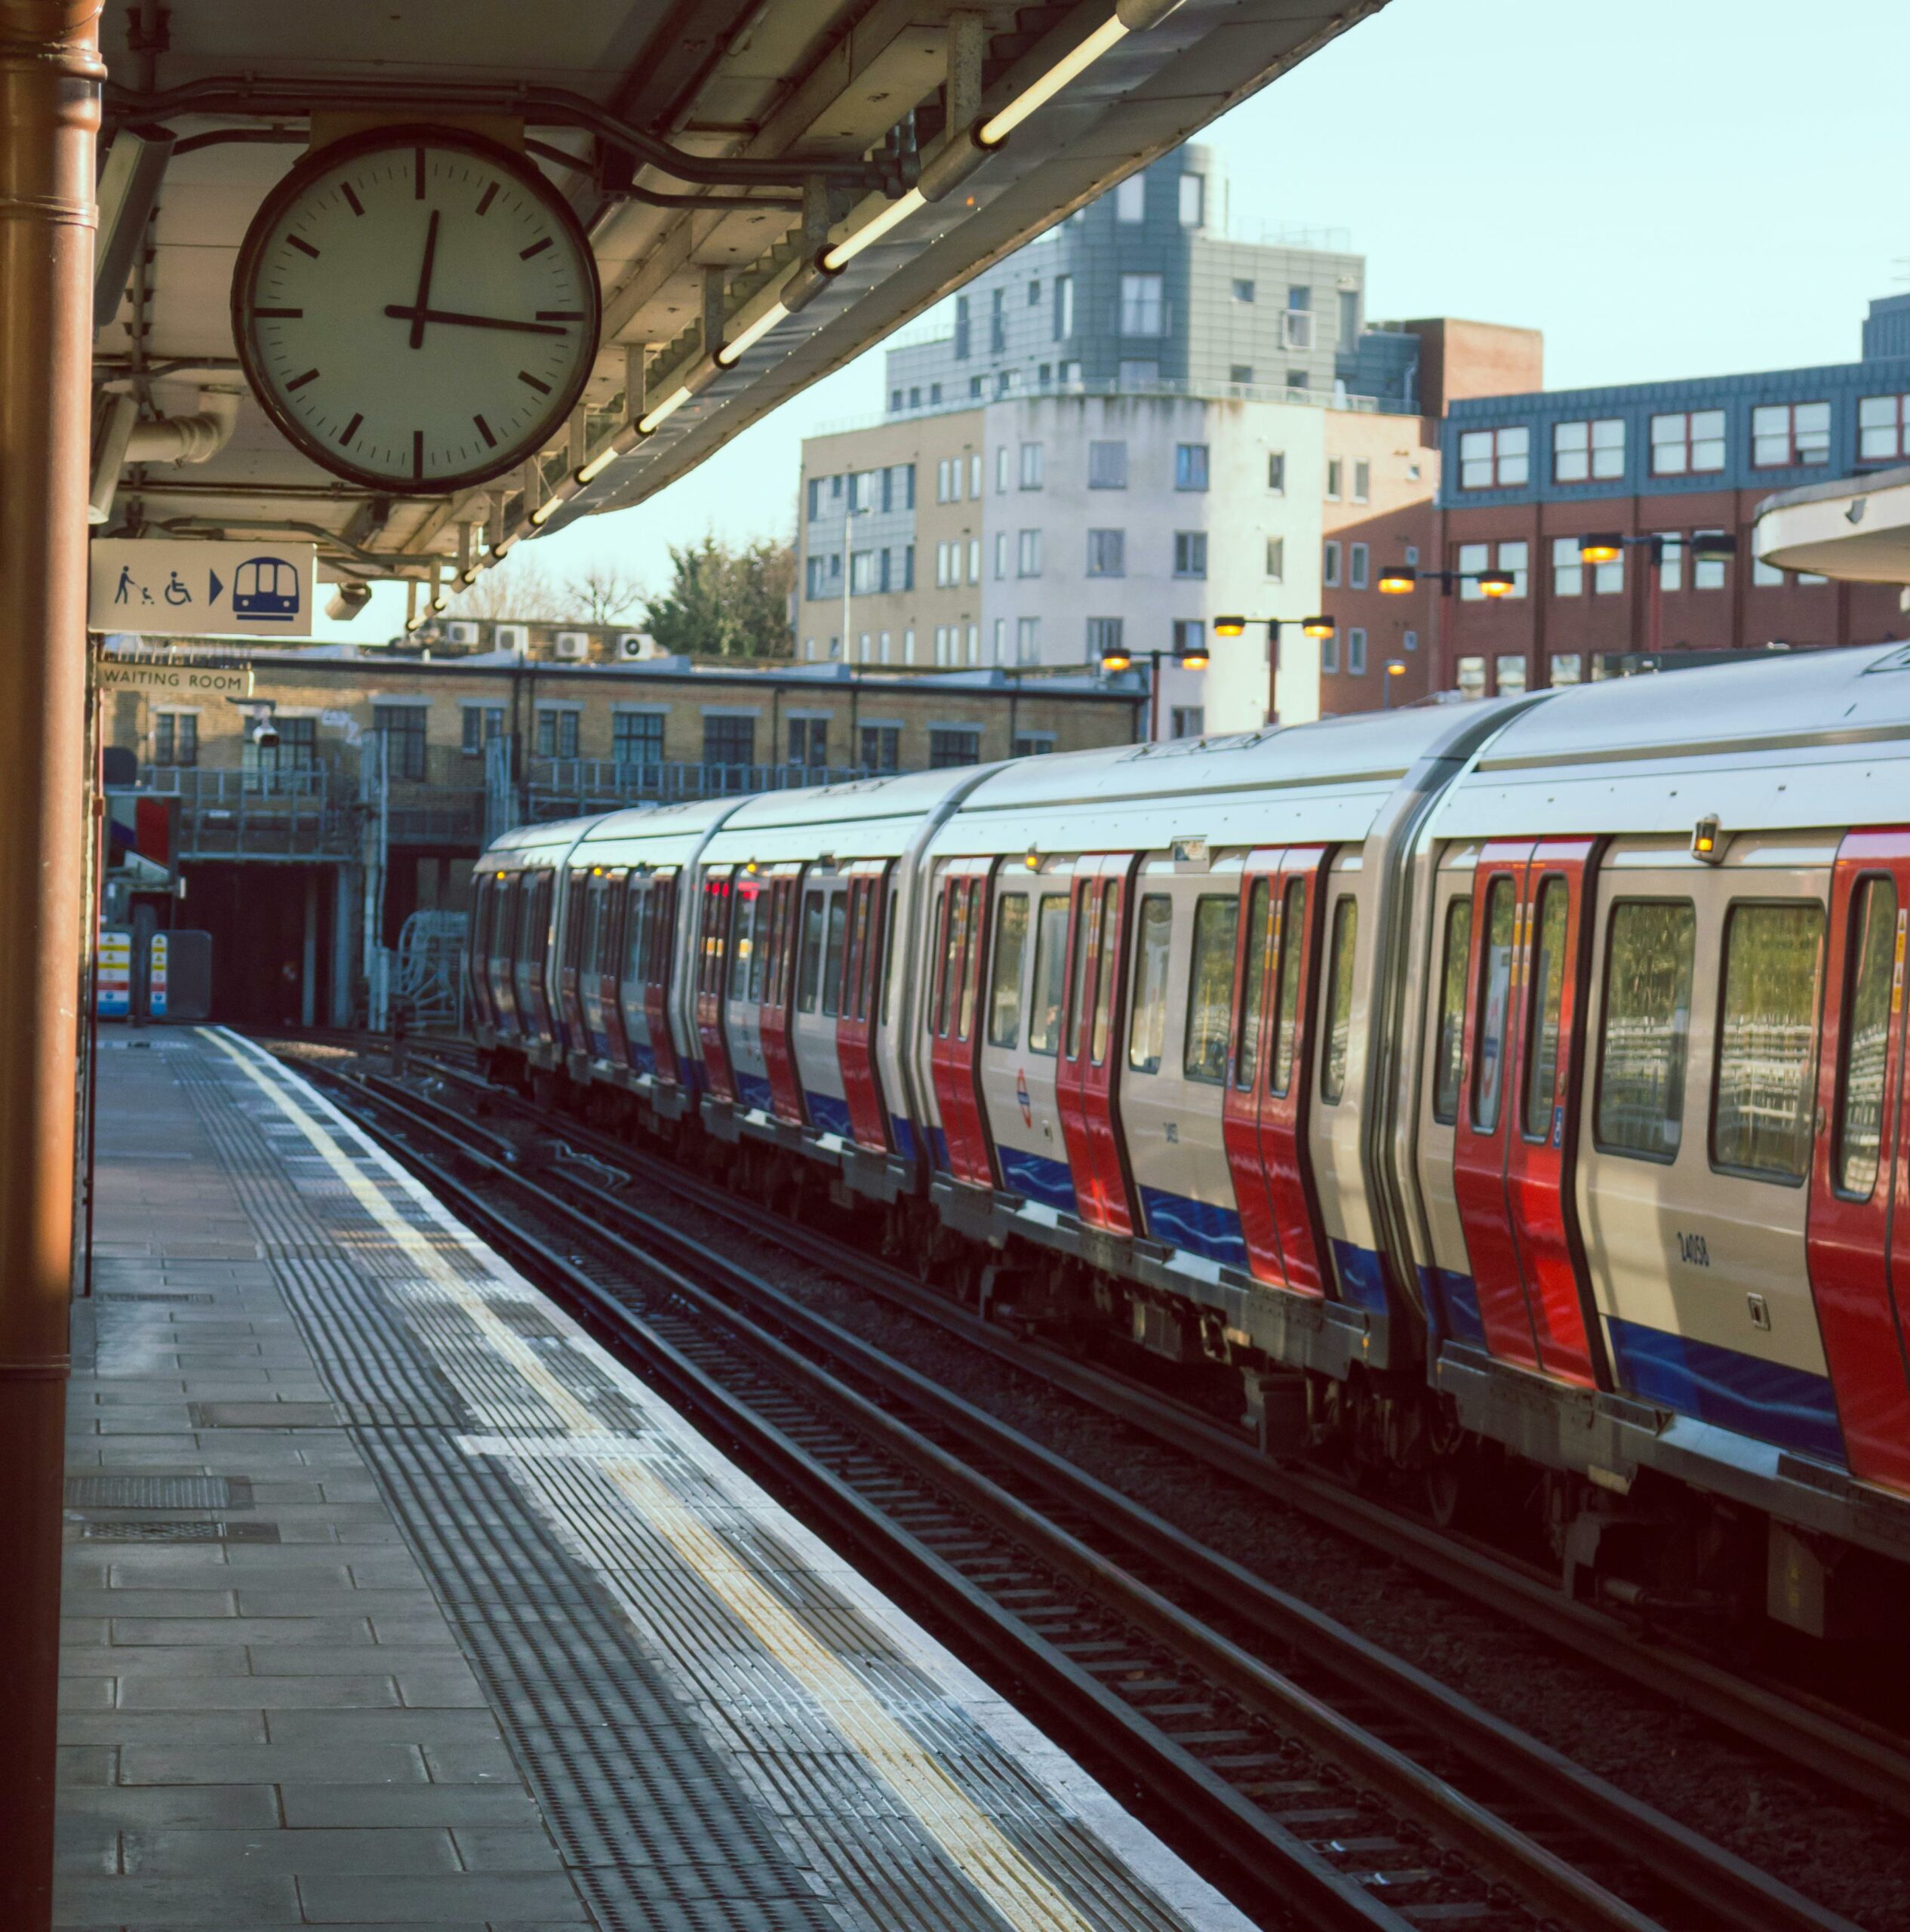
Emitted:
<point x="417" y="309"/>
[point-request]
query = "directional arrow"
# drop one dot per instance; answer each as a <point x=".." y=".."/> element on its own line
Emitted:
<point x="212" y="595"/>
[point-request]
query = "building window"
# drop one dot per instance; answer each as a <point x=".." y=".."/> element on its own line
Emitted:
<point x="1103" y="638"/>
<point x="1000" y="554"/>
<point x="881" y="747"/>
<point x="1473" y="557"/>
<point x="1001" y="640"/>
<point x="1767" y="575"/>
<point x="1516" y="559"/>
<point x="1276" y="558"/>
<point x="1362" y="482"/>
<point x="1031" y="465"/>
<point x="176" y="737"/>
<point x="1139" y="375"/>
<point x="974" y="560"/>
<point x="1589" y="452"/>
<point x="1143" y="312"/>
<point x="1687" y="442"/>
<point x="1277" y="471"/>
<point x="1356" y="653"/>
<point x="1064" y="307"/>
<point x="1027" y="554"/>
<point x="1131" y="199"/>
<point x="1567" y="667"/>
<point x="915" y="395"/>
<point x="975" y="475"/>
<point x="1883" y="428"/>
<point x="1296" y="324"/>
<point x="1107" y="465"/>
<point x="1785" y="436"/>
<point x="1193" y="200"/>
<point x="1567" y="567"/>
<point x="557" y="733"/>
<point x="1243" y="290"/>
<point x="815" y="497"/>
<point x="950" y="744"/>
<point x="865" y="573"/>
<point x="1189" y="721"/>
<point x="948" y="480"/>
<point x="730" y="741"/>
<point x="1329" y="564"/>
<point x="1189" y="635"/>
<point x="403" y="725"/>
<point x="1671" y="560"/>
<point x="1336" y="480"/>
<point x="1190" y="553"/>
<point x="1107" y="553"/>
<point x="1512" y="558"/>
<point x="961" y="328"/>
<point x="1028" y="640"/>
<point x="482" y="723"/>
<point x="808" y="743"/>
<point x="1470" y="673"/>
<point x="998" y="321"/>
<point x="1190" y="465"/>
<point x="975" y="389"/>
<point x="1707" y="573"/>
<point x="1495" y="459"/>
<point x="1002" y="469"/>
<point x="636" y="736"/>
<point x="1329" y="653"/>
<point x="1240" y="373"/>
<point x="1033" y="744"/>
<point x="1358" y="556"/>
<point x="1509" y="672"/>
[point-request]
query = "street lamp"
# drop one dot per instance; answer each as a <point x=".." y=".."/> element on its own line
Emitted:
<point x="1318" y="627"/>
<point x="1193" y="658"/>
<point x="1395" y="668"/>
<point x="1608" y="546"/>
<point x="1402" y="580"/>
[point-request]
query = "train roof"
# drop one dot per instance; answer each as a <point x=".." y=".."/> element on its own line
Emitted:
<point x="879" y="817"/>
<point x="1779" y="742"/>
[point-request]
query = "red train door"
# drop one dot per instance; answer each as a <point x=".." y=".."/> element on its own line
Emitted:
<point x="1515" y="1142"/>
<point x="779" y="995"/>
<point x="1300" y="922"/>
<point x="1254" y="974"/>
<point x="659" y="947"/>
<point x="855" y="1029"/>
<point x="961" y="925"/>
<point x="614" y="887"/>
<point x="1859" y="1183"/>
<point x="1085" y="1085"/>
<point x="712" y="953"/>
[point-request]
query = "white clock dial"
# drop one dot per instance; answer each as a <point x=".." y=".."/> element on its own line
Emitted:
<point x="417" y="309"/>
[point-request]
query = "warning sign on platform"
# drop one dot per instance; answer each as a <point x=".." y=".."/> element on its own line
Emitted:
<point x="174" y="587"/>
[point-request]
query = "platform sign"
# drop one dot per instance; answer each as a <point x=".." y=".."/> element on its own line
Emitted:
<point x="175" y="587"/>
<point x="114" y="972"/>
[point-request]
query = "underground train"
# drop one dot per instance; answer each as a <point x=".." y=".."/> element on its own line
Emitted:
<point x="1511" y="1095"/>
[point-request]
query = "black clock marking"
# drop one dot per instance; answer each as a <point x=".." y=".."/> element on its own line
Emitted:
<point x="417" y="173"/>
<point x="351" y="429"/>
<point x="299" y="241"/>
<point x="535" y="248"/>
<point x="484" y="430"/>
<point x="280" y="315"/>
<point x="417" y="456"/>
<point x="351" y="198"/>
<point x="525" y="376"/>
<point x="298" y="381"/>
<point x="485" y="201"/>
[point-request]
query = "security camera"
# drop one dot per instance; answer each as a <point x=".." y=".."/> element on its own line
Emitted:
<point x="347" y="601"/>
<point x="265" y="735"/>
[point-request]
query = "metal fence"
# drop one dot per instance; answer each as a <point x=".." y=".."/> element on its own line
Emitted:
<point x="258" y="814"/>
<point x="559" y="787"/>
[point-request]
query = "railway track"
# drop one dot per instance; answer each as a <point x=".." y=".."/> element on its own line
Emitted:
<point x="1338" y="1785"/>
<point x="1812" y="1737"/>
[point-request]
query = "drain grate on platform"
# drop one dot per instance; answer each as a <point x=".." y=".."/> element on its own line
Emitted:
<point x="131" y="1492"/>
<point x="153" y="1295"/>
<point x="150" y="1529"/>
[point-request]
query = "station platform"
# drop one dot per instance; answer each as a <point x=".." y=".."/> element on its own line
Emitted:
<point x="392" y="1599"/>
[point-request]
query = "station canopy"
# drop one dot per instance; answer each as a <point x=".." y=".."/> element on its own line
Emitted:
<point x="766" y="188"/>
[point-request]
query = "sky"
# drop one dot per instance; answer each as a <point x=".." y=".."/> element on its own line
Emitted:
<point x="1666" y="188"/>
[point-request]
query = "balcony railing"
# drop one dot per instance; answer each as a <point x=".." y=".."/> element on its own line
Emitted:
<point x="257" y="814"/>
<point x="560" y="788"/>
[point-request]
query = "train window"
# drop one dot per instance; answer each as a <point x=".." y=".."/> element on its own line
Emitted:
<point x="1291" y="939"/>
<point x="1147" y="1030"/>
<point x="636" y="935"/>
<point x="955" y="932"/>
<point x="593" y="927"/>
<point x="971" y="971"/>
<point x="1495" y="997"/>
<point x="811" y="970"/>
<point x="1548" y="997"/>
<point x="1866" y="1037"/>
<point x="1646" y="1028"/>
<point x="1077" y="973"/>
<point x="856" y="1000"/>
<point x="1340" y="999"/>
<point x="762" y="944"/>
<point x="888" y="952"/>
<point x="742" y="930"/>
<point x="1004" y="989"/>
<point x="1259" y="952"/>
<point x="1449" y="1044"/>
<point x="1051" y="956"/>
<point x="662" y="929"/>
<point x="1211" y="990"/>
<point x="1105" y="960"/>
<point x="1761" y="1107"/>
<point x="838" y="926"/>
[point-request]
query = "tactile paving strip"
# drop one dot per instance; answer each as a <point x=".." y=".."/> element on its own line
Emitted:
<point x="614" y="1578"/>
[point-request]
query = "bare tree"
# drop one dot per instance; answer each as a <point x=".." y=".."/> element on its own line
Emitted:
<point x="600" y="593"/>
<point x="520" y="588"/>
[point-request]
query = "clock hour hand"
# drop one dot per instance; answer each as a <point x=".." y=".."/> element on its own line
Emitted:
<point x="424" y="282"/>
<point x="419" y="316"/>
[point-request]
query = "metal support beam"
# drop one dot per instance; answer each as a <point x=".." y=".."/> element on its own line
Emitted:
<point x="50" y="79"/>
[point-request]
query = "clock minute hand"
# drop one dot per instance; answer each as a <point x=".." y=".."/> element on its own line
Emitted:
<point x="424" y="282"/>
<point x="418" y="317"/>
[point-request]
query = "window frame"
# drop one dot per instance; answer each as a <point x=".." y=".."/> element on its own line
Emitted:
<point x="1460" y="903"/>
<point x="1227" y="901"/>
<point x="1346" y="902"/>
<point x="1155" y="1011"/>
<point x="1855" y="912"/>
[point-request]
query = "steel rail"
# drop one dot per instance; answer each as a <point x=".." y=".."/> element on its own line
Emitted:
<point x="1723" y="1888"/>
<point x="1867" y="1765"/>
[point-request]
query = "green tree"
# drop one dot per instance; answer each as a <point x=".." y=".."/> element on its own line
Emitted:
<point x="688" y="618"/>
<point x="726" y="603"/>
<point x="761" y="579"/>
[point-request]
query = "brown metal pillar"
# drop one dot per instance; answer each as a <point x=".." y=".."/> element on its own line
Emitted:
<point x="50" y="76"/>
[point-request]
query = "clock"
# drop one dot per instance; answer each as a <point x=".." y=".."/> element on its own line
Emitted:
<point x="416" y="309"/>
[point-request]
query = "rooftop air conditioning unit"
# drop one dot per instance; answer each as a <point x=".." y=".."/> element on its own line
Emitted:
<point x="572" y="644"/>
<point x="512" y="638"/>
<point x="460" y="630"/>
<point x="630" y="643"/>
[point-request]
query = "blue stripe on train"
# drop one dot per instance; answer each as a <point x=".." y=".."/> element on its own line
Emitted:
<point x="1768" y="1400"/>
<point x="1197" y="1227"/>
<point x="828" y="1113"/>
<point x="902" y="1132"/>
<point x="938" y="1149"/>
<point x="755" y="1092"/>
<point x="1362" y="1280"/>
<point x="1452" y="1307"/>
<point x="1036" y="1177"/>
